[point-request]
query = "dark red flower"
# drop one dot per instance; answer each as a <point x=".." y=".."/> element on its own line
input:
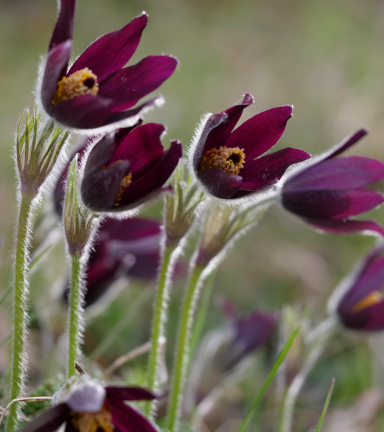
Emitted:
<point x="126" y="169"/>
<point x="227" y="164"/>
<point x="327" y="191"/>
<point x="251" y="332"/>
<point x="89" y="407"/>
<point x="127" y="247"/>
<point x="97" y="92"/>
<point x="360" y="302"/>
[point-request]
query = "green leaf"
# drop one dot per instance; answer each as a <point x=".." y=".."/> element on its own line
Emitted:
<point x="269" y="379"/>
<point x="318" y="427"/>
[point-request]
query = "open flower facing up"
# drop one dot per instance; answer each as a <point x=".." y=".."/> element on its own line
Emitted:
<point x="97" y="92"/>
<point x="128" y="168"/>
<point x="329" y="190"/>
<point x="359" y="301"/>
<point x="127" y="247"/>
<point x="227" y="164"/>
<point x="90" y="407"/>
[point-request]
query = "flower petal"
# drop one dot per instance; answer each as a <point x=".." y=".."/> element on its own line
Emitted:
<point x="86" y="397"/>
<point x="142" y="147"/>
<point x="64" y="24"/>
<point x="344" y="173"/>
<point x="130" y="117"/>
<point x="127" y="86"/>
<point x="112" y="51"/>
<point x="55" y="67"/>
<point x="100" y="154"/>
<point x="346" y="226"/>
<point x="334" y="204"/>
<point x="219" y="135"/>
<point x="344" y="145"/>
<point x="127" y="419"/>
<point x="369" y="319"/>
<point x="129" y="229"/>
<point x="269" y="169"/>
<point x="370" y="278"/>
<point x="141" y="189"/>
<point x="211" y="122"/>
<point x="82" y="112"/>
<point x="219" y="183"/>
<point x="129" y="393"/>
<point x="99" y="189"/>
<point x="50" y="420"/>
<point x="261" y="132"/>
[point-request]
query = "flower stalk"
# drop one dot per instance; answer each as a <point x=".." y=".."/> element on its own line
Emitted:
<point x="195" y="283"/>
<point x="179" y="215"/>
<point x="75" y="310"/>
<point x="80" y="227"/>
<point x="165" y="276"/>
<point x="37" y="150"/>
<point x="20" y="307"/>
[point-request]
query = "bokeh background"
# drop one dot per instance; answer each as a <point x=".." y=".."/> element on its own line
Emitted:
<point x="325" y="58"/>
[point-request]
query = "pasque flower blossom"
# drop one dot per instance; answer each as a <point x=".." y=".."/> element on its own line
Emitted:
<point x="227" y="162"/>
<point x="97" y="92"/>
<point x="359" y="301"/>
<point x="89" y="407"/>
<point x="127" y="168"/>
<point x="250" y="332"/>
<point x="127" y="247"/>
<point x="327" y="191"/>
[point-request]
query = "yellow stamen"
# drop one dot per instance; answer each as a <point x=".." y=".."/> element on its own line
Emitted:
<point x="371" y="299"/>
<point x="79" y="83"/>
<point x="228" y="159"/>
<point x="91" y="422"/>
<point x="127" y="180"/>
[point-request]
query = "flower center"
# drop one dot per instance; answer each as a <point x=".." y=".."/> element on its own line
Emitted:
<point x="79" y="83"/>
<point x="371" y="299"/>
<point x="228" y="159"/>
<point x="91" y="422"/>
<point x="125" y="182"/>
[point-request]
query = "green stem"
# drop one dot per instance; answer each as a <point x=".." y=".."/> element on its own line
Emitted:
<point x="196" y="281"/>
<point x="75" y="313"/>
<point x="159" y="318"/>
<point x="20" y="307"/>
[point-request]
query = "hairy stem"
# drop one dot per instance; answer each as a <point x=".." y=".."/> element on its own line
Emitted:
<point x="167" y="266"/>
<point x="18" y="365"/>
<point x="196" y="281"/>
<point x="75" y="314"/>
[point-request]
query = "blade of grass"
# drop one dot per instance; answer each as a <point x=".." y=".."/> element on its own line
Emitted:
<point x="269" y="379"/>
<point x="318" y="427"/>
<point x="38" y="258"/>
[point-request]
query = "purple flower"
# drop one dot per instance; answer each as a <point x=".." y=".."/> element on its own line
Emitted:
<point x="361" y="303"/>
<point x="97" y="92"/>
<point x="329" y="190"/>
<point x="227" y="164"/>
<point x="127" y="247"/>
<point x="90" y="407"/>
<point x="250" y="332"/>
<point x="128" y="168"/>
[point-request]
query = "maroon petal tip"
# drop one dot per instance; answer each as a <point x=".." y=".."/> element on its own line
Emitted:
<point x="247" y="100"/>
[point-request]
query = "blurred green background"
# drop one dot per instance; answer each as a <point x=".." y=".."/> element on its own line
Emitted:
<point x="325" y="58"/>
